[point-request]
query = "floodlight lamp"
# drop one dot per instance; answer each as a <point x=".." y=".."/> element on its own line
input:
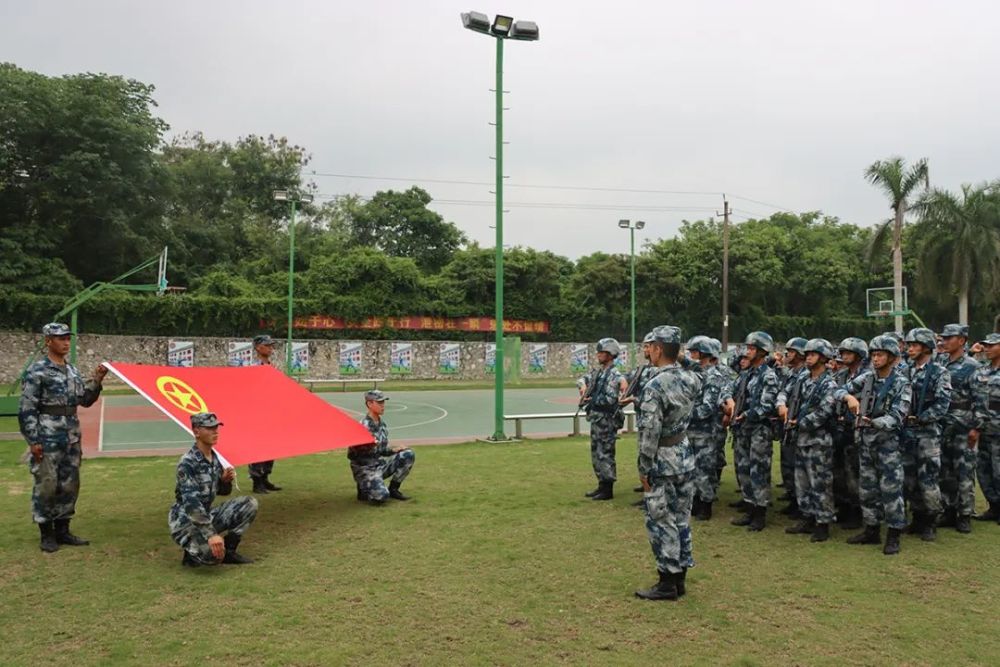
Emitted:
<point x="639" y="224"/>
<point x="624" y="224"/>
<point x="526" y="30"/>
<point x="502" y="25"/>
<point x="281" y="195"/>
<point x="476" y="21"/>
<point x="305" y="198"/>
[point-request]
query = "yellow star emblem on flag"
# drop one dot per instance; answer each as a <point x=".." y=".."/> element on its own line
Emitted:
<point x="181" y="395"/>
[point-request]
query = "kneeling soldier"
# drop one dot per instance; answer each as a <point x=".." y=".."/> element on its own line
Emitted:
<point x="194" y="523"/>
<point x="372" y="464"/>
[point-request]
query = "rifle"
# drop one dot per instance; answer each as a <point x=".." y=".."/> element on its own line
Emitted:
<point x="866" y="402"/>
<point x="740" y="395"/>
<point x="794" y="405"/>
<point x="587" y="395"/>
<point x="630" y="390"/>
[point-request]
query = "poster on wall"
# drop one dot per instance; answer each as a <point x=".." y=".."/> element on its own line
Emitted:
<point x="401" y="358"/>
<point x="621" y="363"/>
<point x="450" y="358"/>
<point x="239" y="353"/>
<point x="578" y="359"/>
<point x="180" y="353"/>
<point x="300" y="357"/>
<point x="491" y="358"/>
<point x="350" y="358"/>
<point x="538" y="357"/>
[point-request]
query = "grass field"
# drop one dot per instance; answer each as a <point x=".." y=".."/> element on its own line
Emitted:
<point x="497" y="560"/>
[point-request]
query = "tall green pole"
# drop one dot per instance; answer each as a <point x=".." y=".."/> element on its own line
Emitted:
<point x="291" y="289"/>
<point x="498" y="433"/>
<point x="631" y="233"/>
<point x="72" y="340"/>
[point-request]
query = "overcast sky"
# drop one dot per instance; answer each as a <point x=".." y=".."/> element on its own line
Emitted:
<point x="784" y="102"/>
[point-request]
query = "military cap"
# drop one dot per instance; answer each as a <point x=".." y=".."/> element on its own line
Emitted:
<point x="648" y="338"/>
<point x="991" y="339"/>
<point x="56" y="329"/>
<point x="263" y="339"/>
<point x="884" y="343"/>
<point x="895" y="335"/>
<point x="798" y="344"/>
<point x="855" y="345"/>
<point x="761" y="340"/>
<point x="694" y="341"/>
<point x="667" y="334"/>
<point x="205" y="420"/>
<point x="376" y="395"/>
<point x="923" y="336"/>
<point x="955" y="330"/>
<point x="822" y="346"/>
<point x="610" y="345"/>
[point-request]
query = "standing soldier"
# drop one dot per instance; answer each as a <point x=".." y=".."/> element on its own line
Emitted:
<point x="194" y="524"/>
<point x="790" y="375"/>
<point x="931" y="389"/>
<point x="705" y="426"/>
<point x="812" y="430"/>
<point x="755" y="431"/>
<point x="884" y="393"/>
<point x="600" y="392"/>
<point x="371" y="465"/>
<point x="958" y="456"/>
<point x="853" y="355"/>
<point x="734" y="399"/>
<point x="51" y="391"/>
<point x="986" y="397"/>
<point x="259" y="472"/>
<point x="666" y="464"/>
<point x="636" y="381"/>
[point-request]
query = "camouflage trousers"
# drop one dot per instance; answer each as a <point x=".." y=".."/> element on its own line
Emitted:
<point x="706" y="459"/>
<point x="261" y="469"/>
<point x="233" y="517"/>
<point x="754" y="472"/>
<point x="988" y="469"/>
<point x="668" y="521"/>
<point x="57" y="481"/>
<point x="603" y="437"/>
<point x="922" y="470"/>
<point x="881" y="479"/>
<point x="845" y="469"/>
<point x="720" y="447"/>
<point x="370" y="476"/>
<point x="958" y="472"/>
<point x="814" y="479"/>
<point x="741" y="456"/>
<point x="788" y="452"/>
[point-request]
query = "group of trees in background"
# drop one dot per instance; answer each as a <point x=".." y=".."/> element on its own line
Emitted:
<point x="89" y="187"/>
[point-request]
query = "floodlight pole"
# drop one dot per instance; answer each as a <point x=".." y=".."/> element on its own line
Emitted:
<point x="291" y="287"/>
<point x="631" y="234"/>
<point x="498" y="432"/>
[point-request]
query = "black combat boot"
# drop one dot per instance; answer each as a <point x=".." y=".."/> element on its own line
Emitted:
<point x="605" y="491"/>
<point x="929" y="531"/>
<point x="964" y="524"/>
<point x="821" y="533"/>
<point x="232" y="557"/>
<point x="639" y="489"/>
<point x="758" y="520"/>
<point x="48" y="543"/>
<point x="593" y="492"/>
<point x="63" y="536"/>
<point x="852" y="518"/>
<point x="258" y="485"/>
<point x="362" y="494"/>
<point x="394" y="491"/>
<point x="891" y="547"/>
<point x="992" y="514"/>
<point x="803" y="527"/>
<point x="188" y="561"/>
<point x="740" y="505"/>
<point x="664" y="589"/>
<point x="269" y="486"/>
<point x="792" y="510"/>
<point x="680" y="581"/>
<point x="948" y="519"/>
<point x="743" y="519"/>
<point x="870" y="535"/>
<point x="704" y="511"/>
<point x="916" y="526"/>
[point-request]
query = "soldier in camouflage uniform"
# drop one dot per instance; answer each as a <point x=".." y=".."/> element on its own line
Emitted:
<point x="931" y="387"/>
<point x="733" y="396"/>
<point x="194" y="524"/>
<point x="790" y="373"/>
<point x="666" y="463"/>
<point x="986" y="431"/>
<point x="51" y="391"/>
<point x="958" y="457"/>
<point x="886" y="392"/>
<point x="813" y="434"/>
<point x="638" y="377"/>
<point x="854" y="356"/>
<point x="601" y="390"/>
<point x="725" y="397"/>
<point x="755" y="431"/>
<point x="705" y="425"/>
<point x="372" y="464"/>
<point x="259" y="472"/>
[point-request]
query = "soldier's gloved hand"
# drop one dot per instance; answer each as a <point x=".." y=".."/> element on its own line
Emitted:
<point x="218" y="547"/>
<point x="37" y="452"/>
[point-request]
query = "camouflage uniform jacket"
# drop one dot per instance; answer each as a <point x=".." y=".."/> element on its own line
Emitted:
<point x="664" y="412"/>
<point x="986" y="391"/>
<point x="931" y="388"/>
<point x="49" y="385"/>
<point x="646" y="373"/>
<point x="603" y="401"/>
<point x="792" y="376"/>
<point x="369" y="454"/>
<point x="198" y="482"/>
<point x="845" y="419"/>
<point x="961" y="371"/>
<point x="762" y="391"/>
<point x="706" y="417"/>
<point x="892" y="398"/>
<point x="817" y="405"/>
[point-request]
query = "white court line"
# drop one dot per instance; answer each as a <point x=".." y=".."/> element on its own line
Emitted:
<point x="444" y="413"/>
<point x="100" y="427"/>
<point x="148" y="442"/>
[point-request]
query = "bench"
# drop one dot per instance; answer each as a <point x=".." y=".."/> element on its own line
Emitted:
<point x="342" y="381"/>
<point x="576" y="417"/>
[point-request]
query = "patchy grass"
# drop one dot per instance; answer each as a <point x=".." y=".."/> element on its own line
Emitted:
<point x="498" y="560"/>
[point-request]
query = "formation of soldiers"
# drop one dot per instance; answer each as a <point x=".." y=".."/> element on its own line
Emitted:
<point x="869" y="433"/>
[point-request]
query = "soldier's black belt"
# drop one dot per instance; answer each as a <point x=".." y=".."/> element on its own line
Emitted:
<point x="671" y="440"/>
<point x="960" y="405"/>
<point x="58" y="410"/>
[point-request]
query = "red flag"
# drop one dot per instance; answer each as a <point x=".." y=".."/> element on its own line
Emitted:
<point x="266" y="414"/>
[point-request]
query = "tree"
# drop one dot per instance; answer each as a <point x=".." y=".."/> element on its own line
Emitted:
<point x="899" y="183"/>
<point x="960" y="243"/>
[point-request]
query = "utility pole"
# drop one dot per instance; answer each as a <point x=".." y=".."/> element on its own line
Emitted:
<point x="725" y="273"/>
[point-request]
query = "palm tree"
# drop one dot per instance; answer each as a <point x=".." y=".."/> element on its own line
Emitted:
<point x="960" y="249"/>
<point x="898" y="182"/>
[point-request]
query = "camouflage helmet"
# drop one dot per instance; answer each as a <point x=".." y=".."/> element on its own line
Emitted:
<point x="798" y="344"/>
<point x="609" y="345"/>
<point x="884" y="343"/>
<point x="701" y="344"/>
<point x="895" y="335"/>
<point x="955" y="330"/>
<point x="761" y="340"/>
<point x="694" y="341"/>
<point x="713" y="348"/>
<point x="822" y="346"/>
<point x="855" y="345"/>
<point x="648" y="338"/>
<point x="667" y="334"/>
<point x="923" y="336"/>
<point x="56" y="329"/>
